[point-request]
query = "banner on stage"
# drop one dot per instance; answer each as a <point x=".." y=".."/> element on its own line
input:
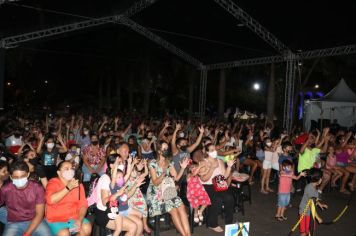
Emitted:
<point x="238" y="229"/>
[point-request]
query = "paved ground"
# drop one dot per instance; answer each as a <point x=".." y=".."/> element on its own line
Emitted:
<point x="261" y="215"/>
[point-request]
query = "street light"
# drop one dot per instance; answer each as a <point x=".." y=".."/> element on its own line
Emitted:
<point x="256" y="86"/>
<point x="46" y="81"/>
<point x="316" y="86"/>
<point x="8" y="83"/>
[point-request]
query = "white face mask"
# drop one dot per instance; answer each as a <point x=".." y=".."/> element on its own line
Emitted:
<point x="213" y="154"/>
<point x="181" y="135"/>
<point x="19" y="183"/>
<point x="68" y="174"/>
<point x="50" y="145"/>
<point x="269" y="144"/>
<point x="86" y="132"/>
<point x="121" y="167"/>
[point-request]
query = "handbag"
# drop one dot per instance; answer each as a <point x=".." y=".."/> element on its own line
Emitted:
<point x="220" y="183"/>
<point x="168" y="189"/>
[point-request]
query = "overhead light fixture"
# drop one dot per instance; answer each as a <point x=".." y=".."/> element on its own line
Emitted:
<point x="240" y="25"/>
<point x="256" y="86"/>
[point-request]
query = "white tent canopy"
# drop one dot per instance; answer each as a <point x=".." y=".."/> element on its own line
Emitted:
<point x="339" y="104"/>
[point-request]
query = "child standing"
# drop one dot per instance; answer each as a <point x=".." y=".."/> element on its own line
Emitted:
<point x="310" y="191"/>
<point x="285" y="185"/>
<point x="196" y="194"/>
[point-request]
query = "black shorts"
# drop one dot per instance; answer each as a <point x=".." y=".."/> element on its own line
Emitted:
<point x="101" y="218"/>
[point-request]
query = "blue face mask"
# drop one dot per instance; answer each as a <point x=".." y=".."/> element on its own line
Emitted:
<point x="19" y="183"/>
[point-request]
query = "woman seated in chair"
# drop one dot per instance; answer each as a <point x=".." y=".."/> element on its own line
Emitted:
<point x="214" y="167"/>
<point x="66" y="205"/>
<point x="162" y="171"/>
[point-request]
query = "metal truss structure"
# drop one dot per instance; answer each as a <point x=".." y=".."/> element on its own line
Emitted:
<point x="289" y="92"/>
<point x="163" y="43"/>
<point x="202" y="91"/>
<point x="5" y="1"/>
<point x="252" y="24"/>
<point x="13" y="41"/>
<point x="246" y="62"/>
<point x="328" y="52"/>
<point x="285" y="54"/>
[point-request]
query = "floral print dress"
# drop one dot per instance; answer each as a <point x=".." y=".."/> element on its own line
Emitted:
<point x="137" y="201"/>
<point x="196" y="194"/>
<point x="157" y="206"/>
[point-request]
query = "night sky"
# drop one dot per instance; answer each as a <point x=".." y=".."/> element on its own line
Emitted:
<point x="72" y="63"/>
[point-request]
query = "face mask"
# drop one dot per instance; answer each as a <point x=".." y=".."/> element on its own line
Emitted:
<point x="213" y="154"/>
<point x="96" y="142"/>
<point x="287" y="169"/>
<point x="184" y="148"/>
<point x="68" y="174"/>
<point x="165" y="153"/>
<point x="121" y="167"/>
<point x="19" y="183"/>
<point x="50" y="145"/>
<point x="86" y="132"/>
<point x="71" y="137"/>
<point x="35" y="161"/>
<point x="120" y="182"/>
<point x="181" y="135"/>
<point x="268" y="144"/>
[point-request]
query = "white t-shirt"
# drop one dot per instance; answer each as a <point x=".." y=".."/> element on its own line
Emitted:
<point x="231" y="142"/>
<point x="13" y="141"/>
<point x="69" y="156"/>
<point x="103" y="184"/>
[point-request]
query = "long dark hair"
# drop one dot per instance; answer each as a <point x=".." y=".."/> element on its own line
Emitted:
<point x="110" y="160"/>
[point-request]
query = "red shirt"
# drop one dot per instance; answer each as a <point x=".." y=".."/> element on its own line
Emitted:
<point x="285" y="182"/>
<point x="67" y="208"/>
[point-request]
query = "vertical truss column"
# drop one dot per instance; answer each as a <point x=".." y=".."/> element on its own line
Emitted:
<point x="202" y="91"/>
<point x="289" y="92"/>
<point x="2" y="77"/>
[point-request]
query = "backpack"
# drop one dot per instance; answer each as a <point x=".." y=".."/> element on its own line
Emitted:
<point x="168" y="189"/>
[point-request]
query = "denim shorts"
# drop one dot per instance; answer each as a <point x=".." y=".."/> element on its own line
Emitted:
<point x="283" y="199"/>
<point x="124" y="213"/>
<point x="341" y="164"/>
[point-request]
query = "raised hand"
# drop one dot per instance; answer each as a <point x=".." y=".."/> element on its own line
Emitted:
<point x="184" y="163"/>
<point x="178" y="126"/>
<point x="201" y="129"/>
<point x="73" y="183"/>
<point x="231" y="163"/>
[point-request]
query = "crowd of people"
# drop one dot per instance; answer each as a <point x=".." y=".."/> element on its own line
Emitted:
<point x="55" y="171"/>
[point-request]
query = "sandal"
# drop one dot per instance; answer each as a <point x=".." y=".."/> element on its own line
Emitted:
<point x="284" y="218"/>
<point x="196" y="219"/>
<point x="264" y="192"/>
<point x="217" y="229"/>
<point x="278" y="218"/>
<point x="270" y="190"/>
<point x="201" y="217"/>
<point x="345" y="192"/>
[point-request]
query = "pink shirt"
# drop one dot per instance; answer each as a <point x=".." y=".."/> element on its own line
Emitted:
<point x="330" y="162"/>
<point x="285" y="182"/>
